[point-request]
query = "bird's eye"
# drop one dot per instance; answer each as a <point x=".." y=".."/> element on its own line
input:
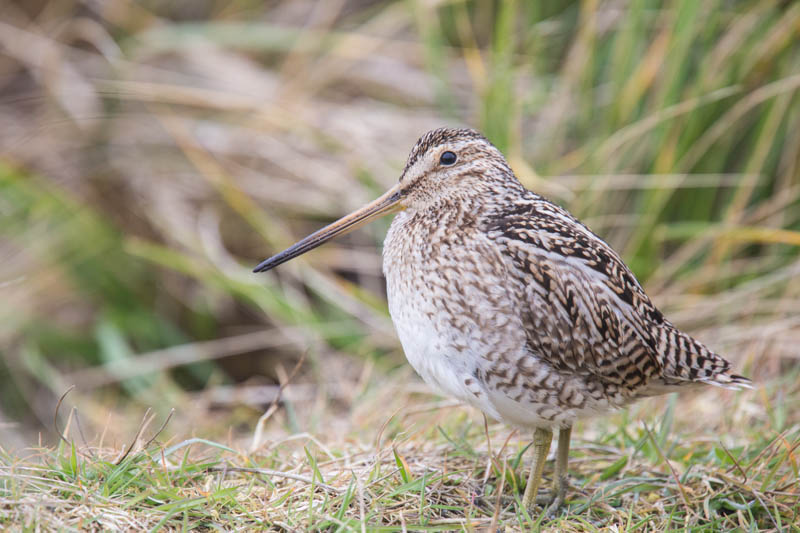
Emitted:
<point x="448" y="158"/>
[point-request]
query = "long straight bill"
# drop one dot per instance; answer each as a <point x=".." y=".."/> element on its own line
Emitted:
<point x="387" y="203"/>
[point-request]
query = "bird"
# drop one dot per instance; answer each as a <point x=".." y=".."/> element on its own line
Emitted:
<point x="506" y="301"/>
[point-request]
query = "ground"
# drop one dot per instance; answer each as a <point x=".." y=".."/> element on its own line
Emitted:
<point x="707" y="461"/>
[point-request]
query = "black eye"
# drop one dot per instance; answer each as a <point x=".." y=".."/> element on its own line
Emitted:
<point x="447" y="158"/>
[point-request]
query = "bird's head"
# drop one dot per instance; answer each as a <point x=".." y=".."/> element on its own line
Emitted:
<point x="451" y="164"/>
<point x="445" y="164"/>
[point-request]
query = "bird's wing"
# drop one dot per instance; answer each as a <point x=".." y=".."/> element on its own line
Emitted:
<point x="584" y="311"/>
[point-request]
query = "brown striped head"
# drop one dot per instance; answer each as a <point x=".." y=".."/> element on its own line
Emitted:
<point x="449" y="163"/>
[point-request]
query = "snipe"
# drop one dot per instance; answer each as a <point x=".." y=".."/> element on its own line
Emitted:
<point x="507" y="302"/>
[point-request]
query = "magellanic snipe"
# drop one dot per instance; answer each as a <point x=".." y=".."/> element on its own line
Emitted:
<point x="507" y="302"/>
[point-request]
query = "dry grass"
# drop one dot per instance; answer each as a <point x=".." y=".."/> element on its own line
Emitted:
<point x="710" y="461"/>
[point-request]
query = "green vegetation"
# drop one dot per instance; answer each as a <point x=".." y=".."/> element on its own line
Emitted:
<point x="152" y="153"/>
<point x="430" y="470"/>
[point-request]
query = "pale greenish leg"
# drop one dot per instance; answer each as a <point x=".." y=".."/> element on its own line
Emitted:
<point x="560" y="479"/>
<point x="541" y="445"/>
<point x="554" y="499"/>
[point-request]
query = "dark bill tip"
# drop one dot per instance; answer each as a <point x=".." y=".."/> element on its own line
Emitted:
<point x="385" y="204"/>
<point x="264" y="265"/>
<point x="286" y="255"/>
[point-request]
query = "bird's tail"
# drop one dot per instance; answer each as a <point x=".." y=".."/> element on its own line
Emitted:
<point x="687" y="360"/>
<point x="729" y="381"/>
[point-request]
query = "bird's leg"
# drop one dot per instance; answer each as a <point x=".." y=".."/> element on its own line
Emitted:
<point x="541" y="445"/>
<point x="560" y="478"/>
<point x="554" y="499"/>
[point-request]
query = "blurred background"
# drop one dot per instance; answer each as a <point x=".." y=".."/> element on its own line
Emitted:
<point x="151" y="153"/>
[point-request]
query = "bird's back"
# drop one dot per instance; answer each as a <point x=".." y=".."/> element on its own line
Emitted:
<point x="585" y="311"/>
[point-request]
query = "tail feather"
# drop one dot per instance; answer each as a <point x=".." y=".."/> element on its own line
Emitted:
<point x="686" y="359"/>
<point x="729" y="381"/>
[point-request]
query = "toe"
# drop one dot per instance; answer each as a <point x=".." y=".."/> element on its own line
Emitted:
<point x="555" y="507"/>
<point x="545" y="499"/>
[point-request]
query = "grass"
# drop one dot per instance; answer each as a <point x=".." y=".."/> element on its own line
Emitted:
<point x="432" y="467"/>
<point x="153" y="153"/>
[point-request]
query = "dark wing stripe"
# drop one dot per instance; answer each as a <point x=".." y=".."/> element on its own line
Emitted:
<point x="585" y="310"/>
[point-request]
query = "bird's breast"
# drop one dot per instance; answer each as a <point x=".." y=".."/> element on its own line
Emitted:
<point x="450" y="307"/>
<point x="416" y="294"/>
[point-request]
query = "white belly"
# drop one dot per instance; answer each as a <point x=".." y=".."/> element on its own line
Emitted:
<point x="437" y="353"/>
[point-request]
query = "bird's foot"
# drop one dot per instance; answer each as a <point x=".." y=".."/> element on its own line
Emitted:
<point x="555" y="505"/>
<point x="553" y="500"/>
<point x="558" y="497"/>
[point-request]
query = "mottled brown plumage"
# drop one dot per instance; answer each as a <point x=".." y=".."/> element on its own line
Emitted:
<point x="506" y="301"/>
